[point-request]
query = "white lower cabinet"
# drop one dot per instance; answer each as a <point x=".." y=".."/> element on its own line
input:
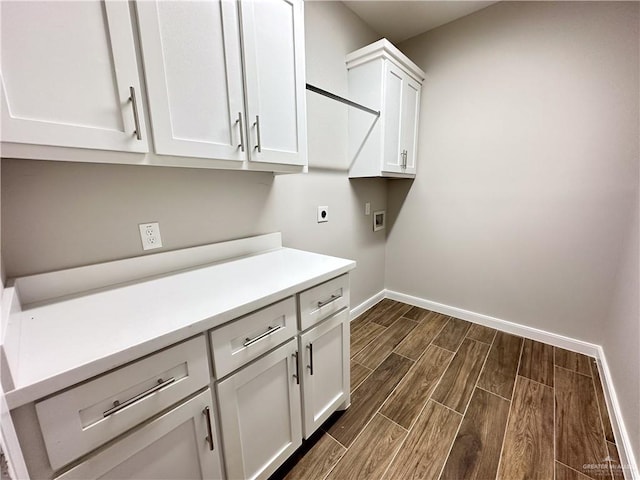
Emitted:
<point x="277" y="373"/>
<point x="179" y="444"/>
<point x="260" y="414"/>
<point x="325" y="370"/>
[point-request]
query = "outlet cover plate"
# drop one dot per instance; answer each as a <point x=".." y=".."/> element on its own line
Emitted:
<point x="323" y="214"/>
<point x="150" y="235"/>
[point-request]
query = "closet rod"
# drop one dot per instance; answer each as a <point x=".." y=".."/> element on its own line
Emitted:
<point x="341" y="99"/>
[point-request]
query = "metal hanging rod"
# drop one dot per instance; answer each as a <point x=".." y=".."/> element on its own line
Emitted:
<point x="333" y="96"/>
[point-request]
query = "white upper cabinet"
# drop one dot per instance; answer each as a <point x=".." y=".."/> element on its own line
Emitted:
<point x="383" y="78"/>
<point x="202" y="59"/>
<point x="193" y="72"/>
<point x="69" y="76"/>
<point x="273" y="40"/>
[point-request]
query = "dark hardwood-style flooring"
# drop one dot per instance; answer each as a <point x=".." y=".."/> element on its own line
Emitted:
<point x="436" y="397"/>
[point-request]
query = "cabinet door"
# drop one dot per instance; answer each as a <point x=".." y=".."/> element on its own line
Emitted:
<point x="260" y="414"/>
<point x="392" y="160"/>
<point x="325" y="365"/>
<point x="173" y="446"/>
<point x="409" y="122"/>
<point x="193" y="71"/>
<point x="273" y="43"/>
<point x="67" y="73"/>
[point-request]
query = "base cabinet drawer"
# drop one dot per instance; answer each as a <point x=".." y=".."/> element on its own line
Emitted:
<point x="176" y="445"/>
<point x="323" y="300"/>
<point x="260" y="414"/>
<point x="324" y="355"/>
<point x="85" y="417"/>
<point x="245" y="339"/>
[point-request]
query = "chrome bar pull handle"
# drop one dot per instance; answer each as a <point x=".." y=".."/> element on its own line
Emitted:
<point x="328" y="301"/>
<point x="310" y="366"/>
<point x="239" y="122"/>
<point x="248" y="341"/>
<point x="117" y="405"/>
<point x="257" y="125"/>
<point x="297" y="374"/>
<point x="209" y="439"/>
<point x="136" y="118"/>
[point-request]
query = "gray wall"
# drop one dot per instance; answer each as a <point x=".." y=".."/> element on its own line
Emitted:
<point x="57" y="215"/>
<point x="528" y="164"/>
<point x="528" y="175"/>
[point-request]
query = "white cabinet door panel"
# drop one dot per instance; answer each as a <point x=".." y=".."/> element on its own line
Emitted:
<point x="326" y="385"/>
<point x="392" y="117"/>
<point x="193" y="71"/>
<point x="260" y="414"/>
<point x="272" y="37"/>
<point x="67" y="69"/>
<point x="172" y="446"/>
<point x="410" y="116"/>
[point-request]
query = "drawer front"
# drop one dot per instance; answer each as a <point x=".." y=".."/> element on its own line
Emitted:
<point x="323" y="300"/>
<point x="83" y="418"/>
<point x="247" y="338"/>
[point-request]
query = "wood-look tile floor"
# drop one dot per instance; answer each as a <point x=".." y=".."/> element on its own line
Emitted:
<point x="436" y="397"/>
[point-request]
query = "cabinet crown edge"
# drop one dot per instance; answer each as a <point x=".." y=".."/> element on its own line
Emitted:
<point x="384" y="49"/>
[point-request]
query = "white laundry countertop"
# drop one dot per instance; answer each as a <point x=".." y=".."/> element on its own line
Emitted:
<point x="63" y="342"/>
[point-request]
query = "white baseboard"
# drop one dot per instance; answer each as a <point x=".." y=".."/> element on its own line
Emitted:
<point x="623" y="443"/>
<point x="366" y="305"/>
<point x="522" y="330"/>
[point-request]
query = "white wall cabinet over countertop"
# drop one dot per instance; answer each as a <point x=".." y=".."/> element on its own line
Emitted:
<point x="225" y="83"/>
<point x="67" y="72"/>
<point x="383" y="78"/>
<point x="195" y="54"/>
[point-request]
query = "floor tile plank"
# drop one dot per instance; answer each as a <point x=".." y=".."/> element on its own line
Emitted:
<point x="452" y="334"/>
<point x="418" y="314"/>
<point x="565" y="473"/>
<point x="358" y="374"/>
<point x="579" y="435"/>
<point x="476" y="450"/>
<point x="372" y="452"/>
<point x="528" y="443"/>
<point x="415" y="343"/>
<point x="572" y="361"/>
<point x="604" y="413"/>
<point x="408" y="399"/>
<point x="456" y="386"/>
<point x="425" y="450"/>
<point x="366" y="400"/>
<point x="537" y="362"/>
<point x="499" y="373"/>
<point x="481" y="333"/>
<point x="363" y="334"/>
<point x="373" y="354"/>
<point x="318" y="461"/>
<point x="614" y="458"/>
<point x="391" y="314"/>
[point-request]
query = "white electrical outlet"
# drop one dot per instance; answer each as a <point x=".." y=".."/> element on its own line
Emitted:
<point x="323" y="214"/>
<point x="150" y="235"/>
<point x="367" y="208"/>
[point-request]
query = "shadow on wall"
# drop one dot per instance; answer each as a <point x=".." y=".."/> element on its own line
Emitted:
<point x="397" y="191"/>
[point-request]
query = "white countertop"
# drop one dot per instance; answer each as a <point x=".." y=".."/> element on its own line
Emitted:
<point x="65" y="342"/>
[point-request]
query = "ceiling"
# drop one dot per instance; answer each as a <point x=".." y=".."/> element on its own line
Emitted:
<point x="398" y="20"/>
